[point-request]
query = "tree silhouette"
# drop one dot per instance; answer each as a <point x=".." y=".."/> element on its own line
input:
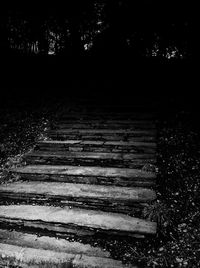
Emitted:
<point x="138" y="28"/>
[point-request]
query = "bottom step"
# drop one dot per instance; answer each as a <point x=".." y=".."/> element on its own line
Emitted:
<point x="11" y="255"/>
<point x="44" y="242"/>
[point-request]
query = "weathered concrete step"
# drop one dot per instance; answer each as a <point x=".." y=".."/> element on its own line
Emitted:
<point x="122" y="112"/>
<point x="107" y="132"/>
<point x="96" y="146"/>
<point x="108" y="115"/>
<point x="86" y="171"/>
<point x="74" y="220"/>
<point x="137" y="125"/>
<point x="106" y="198"/>
<point x="89" y="175"/>
<point x="90" y="158"/>
<point x="134" y="106"/>
<point x="32" y="257"/>
<point x="88" y="142"/>
<point x="104" y="121"/>
<point x="50" y="243"/>
<point x="59" y="160"/>
<point x="99" y="137"/>
<point x="92" y="155"/>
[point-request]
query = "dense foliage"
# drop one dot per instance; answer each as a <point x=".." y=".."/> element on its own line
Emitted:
<point x="140" y="28"/>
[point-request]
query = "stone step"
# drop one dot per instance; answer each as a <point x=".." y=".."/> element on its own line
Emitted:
<point x="105" y="198"/>
<point x="89" y="175"/>
<point x="134" y="106"/>
<point x="45" y="242"/>
<point x="74" y="221"/>
<point x="127" y="132"/>
<point x="96" y="146"/>
<point x="104" y="121"/>
<point x="90" y="158"/>
<point x="62" y="135"/>
<point x="103" y="134"/>
<point x="132" y="125"/>
<point x="32" y="257"/>
<point x="108" y="115"/>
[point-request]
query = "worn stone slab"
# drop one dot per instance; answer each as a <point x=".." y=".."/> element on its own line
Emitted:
<point x="77" y="218"/>
<point x="125" y="177"/>
<point x="105" y="159"/>
<point x="85" y="171"/>
<point x="91" y="155"/>
<point x="100" y="143"/>
<point x="106" y="121"/>
<point x="88" y="142"/>
<point x="67" y="190"/>
<point x="54" y="142"/>
<point x="50" y="243"/>
<point x="109" y="115"/>
<point x="97" y="146"/>
<point x="106" y="131"/>
<point x="124" y="200"/>
<point x="30" y="257"/>
<point x="104" y="125"/>
<point x="101" y="137"/>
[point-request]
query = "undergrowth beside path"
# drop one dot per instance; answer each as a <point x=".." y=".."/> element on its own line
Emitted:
<point x="22" y="122"/>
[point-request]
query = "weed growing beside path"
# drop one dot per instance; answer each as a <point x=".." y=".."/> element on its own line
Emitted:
<point x="22" y="123"/>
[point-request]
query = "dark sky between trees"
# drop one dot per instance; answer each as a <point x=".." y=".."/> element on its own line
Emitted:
<point x="143" y="28"/>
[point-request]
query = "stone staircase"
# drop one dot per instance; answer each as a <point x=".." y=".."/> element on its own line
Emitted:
<point x="94" y="174"/>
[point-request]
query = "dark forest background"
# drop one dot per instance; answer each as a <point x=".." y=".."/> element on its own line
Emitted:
<point x="112" y="47"/>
